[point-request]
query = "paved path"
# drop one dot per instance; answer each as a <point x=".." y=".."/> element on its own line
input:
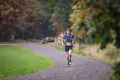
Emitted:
<point x="81" y="69"/>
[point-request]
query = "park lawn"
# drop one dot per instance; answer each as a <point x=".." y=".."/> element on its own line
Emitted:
<point x="18" y="61"/>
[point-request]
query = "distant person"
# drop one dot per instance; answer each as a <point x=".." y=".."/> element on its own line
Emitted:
<point x="68" y="41"/>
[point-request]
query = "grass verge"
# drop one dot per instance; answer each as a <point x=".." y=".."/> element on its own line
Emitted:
<point x="14" y="41"/>
<point x="20" y="41"/>
<point x="17" y="61"/>
<point x="80" y="52"/>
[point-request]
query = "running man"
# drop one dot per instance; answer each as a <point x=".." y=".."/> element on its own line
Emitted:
<point x="68" y="41"/>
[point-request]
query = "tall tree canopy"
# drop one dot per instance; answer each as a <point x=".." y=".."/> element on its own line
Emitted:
<point x="16" y="16"/>
<point x="98" y="18"/>
<point x="57" y="13"/>
<point x="60" y="17"/>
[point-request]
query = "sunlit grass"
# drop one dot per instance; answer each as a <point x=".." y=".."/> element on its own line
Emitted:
<point x="17" y="61"/>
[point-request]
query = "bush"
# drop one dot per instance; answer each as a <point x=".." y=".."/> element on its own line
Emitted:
<point x="80" y="52"/>
<point x="33" y="40"/>
<point x="59" y="47"/>
<point x="116" y="72"/>
<point x="112" y="52"/>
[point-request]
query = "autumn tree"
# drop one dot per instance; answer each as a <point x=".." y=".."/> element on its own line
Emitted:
<point x="9" y="11"/>
<point x="100" y="18"/>
<point x="16" y="16"/>
<point x="57" y="13"/>
<point x="34" y="18"/>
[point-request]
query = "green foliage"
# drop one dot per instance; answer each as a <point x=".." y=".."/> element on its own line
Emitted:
<point x="52" y="2"/>
<point x="60" y="16"/>
<point x="116" y="72"/>
<point x="57" y="13"/>
<point x="101" y="17"/>
<point x="17" y="61"/>
<point x="47" y="9"/>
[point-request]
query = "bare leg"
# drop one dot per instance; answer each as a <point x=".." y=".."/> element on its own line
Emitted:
<point x="67" y="57"/>
<point x="70" y="55"/>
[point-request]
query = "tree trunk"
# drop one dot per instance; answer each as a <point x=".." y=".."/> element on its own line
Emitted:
<point x="1" y="38"/>
<point x="79" y="45"/>
<point x="12" y="36"/>
<point x="22" y="36"/>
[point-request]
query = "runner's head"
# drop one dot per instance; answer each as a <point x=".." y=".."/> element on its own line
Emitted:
<point x="68" y="30"/>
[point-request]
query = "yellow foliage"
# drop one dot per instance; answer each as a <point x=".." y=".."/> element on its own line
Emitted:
<point x="80" y="14"/>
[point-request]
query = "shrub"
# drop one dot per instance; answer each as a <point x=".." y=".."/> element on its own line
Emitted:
<point x="116" y="72"/>
<point x="113" y="52"/>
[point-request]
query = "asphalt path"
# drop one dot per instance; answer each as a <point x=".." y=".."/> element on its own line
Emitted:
<point x="82" y="68"/>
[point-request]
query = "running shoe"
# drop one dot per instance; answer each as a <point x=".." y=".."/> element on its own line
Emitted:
<point x="70" y="62"/>
<point x="68" y="65"/>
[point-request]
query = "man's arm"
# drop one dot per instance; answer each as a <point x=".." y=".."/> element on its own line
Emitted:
<point x="73" y="41"/>
<point x="63" y="40"/>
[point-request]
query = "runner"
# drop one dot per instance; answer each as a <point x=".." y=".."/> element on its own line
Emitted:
<point x="68" y="41"/>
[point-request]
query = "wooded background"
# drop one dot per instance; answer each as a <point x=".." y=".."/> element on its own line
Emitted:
<point x="90" y="20"/>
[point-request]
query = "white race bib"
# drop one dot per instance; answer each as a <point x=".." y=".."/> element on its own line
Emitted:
<point x="68" y="44"/>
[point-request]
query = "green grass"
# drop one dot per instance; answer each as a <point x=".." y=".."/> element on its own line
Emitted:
<point x="17" y="61"/>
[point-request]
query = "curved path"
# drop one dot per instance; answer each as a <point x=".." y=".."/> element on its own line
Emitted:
<point x="82" y="68"/>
